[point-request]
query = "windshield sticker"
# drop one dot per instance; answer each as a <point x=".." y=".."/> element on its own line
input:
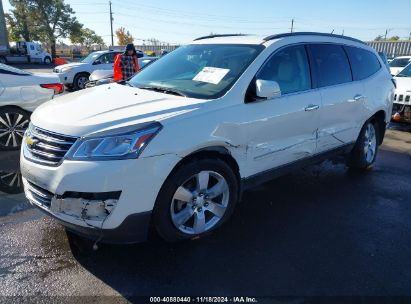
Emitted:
<point x="211" y="75"/>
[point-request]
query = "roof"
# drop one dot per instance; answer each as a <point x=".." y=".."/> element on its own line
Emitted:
<point x="254" y="39"/>
<point x="106" y="51"/>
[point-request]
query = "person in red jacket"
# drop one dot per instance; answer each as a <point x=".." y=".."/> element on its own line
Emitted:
<point x="126" y="64"/>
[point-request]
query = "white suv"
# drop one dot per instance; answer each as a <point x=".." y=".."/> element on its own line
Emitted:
<point x="177" y="145"/>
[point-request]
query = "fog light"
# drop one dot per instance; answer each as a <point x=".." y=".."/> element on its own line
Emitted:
<point x="94" y="210"/>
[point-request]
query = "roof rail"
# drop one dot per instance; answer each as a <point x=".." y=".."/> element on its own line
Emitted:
<point x="277" y="36"/>
<point x="218" y="35"/>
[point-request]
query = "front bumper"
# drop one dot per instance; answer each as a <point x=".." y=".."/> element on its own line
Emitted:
<point x="65" y="78"/>
<point x="401" y="112"/>
<point x="138" y="180"/>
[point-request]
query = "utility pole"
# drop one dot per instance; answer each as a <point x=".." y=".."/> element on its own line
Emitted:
<point x="409" y="38"/>
<point x="111" y="25"/>
<point x="342" y="33"/>
<point x="292" y="25"/>
<point x="386" y="33"/>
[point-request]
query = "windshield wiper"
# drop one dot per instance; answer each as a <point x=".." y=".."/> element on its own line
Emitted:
<point x="164" y="90"/>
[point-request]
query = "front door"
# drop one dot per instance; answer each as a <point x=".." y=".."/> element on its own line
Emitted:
<point x="106" y="61"/>
<point x="284" y="129"/>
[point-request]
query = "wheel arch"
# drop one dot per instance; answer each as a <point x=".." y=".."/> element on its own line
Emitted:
<point x="219" y="152"/>
<point x="379" y="118"/>
<point x="82" y="72"/>
<point x="14" y="107"/>
<point x="212" y="152"/>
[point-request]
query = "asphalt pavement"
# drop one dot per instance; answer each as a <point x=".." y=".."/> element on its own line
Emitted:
<point x="321" y="231"/>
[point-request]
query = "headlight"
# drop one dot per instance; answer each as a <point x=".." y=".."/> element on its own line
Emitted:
<point x="67" y="69"/>
<point x="122" y="143"/>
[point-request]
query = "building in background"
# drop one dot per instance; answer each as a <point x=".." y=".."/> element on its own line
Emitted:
<point x="4" y="41"/>
<point x="392" y="48"/>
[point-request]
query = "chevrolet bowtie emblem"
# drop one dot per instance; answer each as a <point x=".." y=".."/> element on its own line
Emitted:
<point x="30" y="141"/>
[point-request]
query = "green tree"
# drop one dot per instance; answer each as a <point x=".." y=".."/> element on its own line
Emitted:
<point x="20" y="22"/>
<point x="87" y="38"/>
<point x="55" y="20"/>
<point x="124" y="37"/>
<point x="46" y="20"/>
<point x="394" y="38"/>
<point x="379" y="38"/>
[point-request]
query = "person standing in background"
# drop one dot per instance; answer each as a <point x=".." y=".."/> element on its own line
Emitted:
<point x="126" y="64"/>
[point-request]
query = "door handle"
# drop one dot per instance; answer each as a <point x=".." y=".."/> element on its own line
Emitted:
<point x="312" y="107"/>
<point x="356" y="98"/>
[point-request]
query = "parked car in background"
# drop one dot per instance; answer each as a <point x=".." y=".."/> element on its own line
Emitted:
<point x="177" y="145"/>
<point x="99" y="77"/>
<point x="75" y="75"/>
<point x="398" y="64"/>
<point x="21" y="92"/>
<point x="402" y="98"/>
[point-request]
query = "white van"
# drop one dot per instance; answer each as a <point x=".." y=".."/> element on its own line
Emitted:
<point x="177" y="145"/>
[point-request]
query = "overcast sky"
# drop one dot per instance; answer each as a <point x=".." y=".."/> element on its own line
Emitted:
<point x="180" y="21"/>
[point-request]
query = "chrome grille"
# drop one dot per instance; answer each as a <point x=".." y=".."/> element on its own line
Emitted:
<point x="38" y="195"/>
<point x="47" y="147"/>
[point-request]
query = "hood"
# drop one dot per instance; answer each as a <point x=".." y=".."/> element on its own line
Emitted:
<point x="403" y="84"/>
<point x="73" y="64"/>
<point x="108" y="107"/>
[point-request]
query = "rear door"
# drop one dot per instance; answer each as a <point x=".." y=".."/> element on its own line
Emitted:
<point x="342" y="99"/>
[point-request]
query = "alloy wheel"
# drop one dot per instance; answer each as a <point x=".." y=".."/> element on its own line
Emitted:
<point x="81" y="82"/>
<point x="12" y="180"/>
<point x="12" y="128"/>
<point x="200" y="202"/>
<point x="370" y="143"/>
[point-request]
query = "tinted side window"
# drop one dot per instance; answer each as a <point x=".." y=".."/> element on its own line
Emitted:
<point x="331" y="64"/>
<point x="111" y="57"/>
<point x="105" y="59"/>
<point x="363" y="63"/>
<point x="290" y="68"/>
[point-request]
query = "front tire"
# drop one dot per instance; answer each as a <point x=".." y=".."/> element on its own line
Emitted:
<point x="80" y="80"/>
<point x="13" y="124"/>
<point x="365" y="150"/>
<point x="47" y="60"/>
<point x="196" y="198"/>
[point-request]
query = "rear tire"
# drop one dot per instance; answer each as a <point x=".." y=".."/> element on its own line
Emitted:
<point x="365" y="151"/>
<point x="13" y="124"/>
<point x="80" y="80"/>
<point x="196" y="198"/>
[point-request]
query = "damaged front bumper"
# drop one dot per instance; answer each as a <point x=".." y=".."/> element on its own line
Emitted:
<point x="107" y="200"/>
<point x="86" y="217"/>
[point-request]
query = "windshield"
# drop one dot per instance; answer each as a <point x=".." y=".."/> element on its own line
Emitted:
<point x="199" y="71"/>
<point x="400" y="62"/>
<point x="405" y="72"/>
<point x="90" y="58"/>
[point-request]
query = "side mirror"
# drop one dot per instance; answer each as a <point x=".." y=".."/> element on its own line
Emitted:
<point x="98" y="61"/>
<point x="267" y="89"/>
